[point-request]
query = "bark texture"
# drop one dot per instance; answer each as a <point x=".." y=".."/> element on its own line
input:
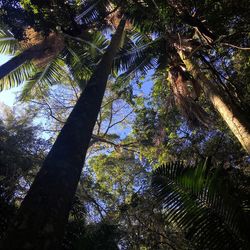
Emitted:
<point x="235" y="119"/>
<point x="44" y="212"/>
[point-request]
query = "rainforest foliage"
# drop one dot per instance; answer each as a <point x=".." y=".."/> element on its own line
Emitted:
<point x="131" y="124"/>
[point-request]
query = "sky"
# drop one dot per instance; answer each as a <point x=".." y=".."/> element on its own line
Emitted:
<point x="7" y="96"/>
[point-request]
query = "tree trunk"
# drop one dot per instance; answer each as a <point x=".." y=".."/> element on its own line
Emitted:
<point x="231" y="114"/>
<point x="44" y="212"/>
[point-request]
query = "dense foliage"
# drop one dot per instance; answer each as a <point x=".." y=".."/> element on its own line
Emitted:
<point x="178" y="92"/>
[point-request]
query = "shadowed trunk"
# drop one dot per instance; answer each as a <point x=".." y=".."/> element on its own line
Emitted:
<point x="231" y="114"/>
<point x="44" y="212"/>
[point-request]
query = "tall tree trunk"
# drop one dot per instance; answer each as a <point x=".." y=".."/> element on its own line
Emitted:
<point x="44" y="212"/>
<point x="231" y="114"/>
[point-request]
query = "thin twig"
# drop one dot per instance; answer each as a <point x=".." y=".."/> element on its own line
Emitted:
<point x="121" y="119"/>
<point x="236" y="47"/>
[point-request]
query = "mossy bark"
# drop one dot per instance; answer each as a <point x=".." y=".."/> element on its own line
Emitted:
<point x="44" y="212"/>
<point x="230" y="113"/>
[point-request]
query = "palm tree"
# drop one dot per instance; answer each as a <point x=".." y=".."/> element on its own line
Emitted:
<point x="165" y="54"/>
<point x="33" y="52"/>
<point x="197" y="199"/>
<point x="75" y="62"/>
<point x="44" y="211"/>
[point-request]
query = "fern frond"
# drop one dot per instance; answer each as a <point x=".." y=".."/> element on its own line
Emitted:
<point x="191" y="198"/>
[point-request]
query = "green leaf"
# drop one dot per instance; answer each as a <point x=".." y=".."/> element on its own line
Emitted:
<point x="192" y="199"/>
<point x="8" y="44"/>
<point x="17" y="76"/>
<point x="53" y="73"/>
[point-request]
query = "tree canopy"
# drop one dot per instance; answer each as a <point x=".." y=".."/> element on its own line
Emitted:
<point x="131" y="125"/>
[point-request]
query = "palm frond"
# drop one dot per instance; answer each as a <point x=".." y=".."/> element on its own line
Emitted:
<point x="92" y="11"/>
<point x="87" y="10"/>
<point x="53" y="73"/>
<point x="138" y="56"/>
<point x="91" y="44"/>
<point x="82" y="58"/>
<point x="98" y="40"/>
<point x="17" y="76"/>
<point x="191" y="198"/>
<point x="80" y="66"/>
<point x="8" y="44"/>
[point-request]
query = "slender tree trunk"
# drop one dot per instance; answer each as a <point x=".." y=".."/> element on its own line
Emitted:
<point x="44" y="212"/>
<point x="20" y="59"/>
<point x="231" y="114"/>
